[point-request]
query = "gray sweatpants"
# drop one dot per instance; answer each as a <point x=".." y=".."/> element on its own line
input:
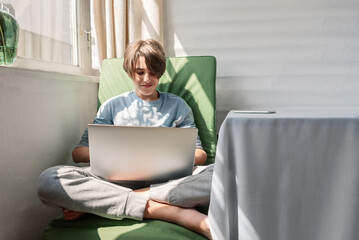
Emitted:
<point x="76" y="188"/>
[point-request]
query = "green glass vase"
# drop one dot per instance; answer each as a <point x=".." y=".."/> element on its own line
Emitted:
<point x="9" y="37"/>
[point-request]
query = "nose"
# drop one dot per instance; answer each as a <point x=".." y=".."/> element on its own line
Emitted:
<point x="147" y="77"/>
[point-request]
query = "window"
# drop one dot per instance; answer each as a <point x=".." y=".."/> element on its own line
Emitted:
<point x="55" y="35"/>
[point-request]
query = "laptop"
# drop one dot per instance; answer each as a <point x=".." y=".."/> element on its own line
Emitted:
<point x="126" y="153"/>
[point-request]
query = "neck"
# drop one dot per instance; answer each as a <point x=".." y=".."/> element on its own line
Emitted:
<point x="155" y="96"/>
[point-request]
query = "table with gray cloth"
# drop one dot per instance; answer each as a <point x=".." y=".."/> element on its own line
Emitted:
<point x="292" y="175"/>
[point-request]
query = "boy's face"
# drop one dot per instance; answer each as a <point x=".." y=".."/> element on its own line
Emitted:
<point x="145" y="82"/>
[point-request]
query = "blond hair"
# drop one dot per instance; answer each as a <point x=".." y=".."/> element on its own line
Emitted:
<point x="153" y="53"/>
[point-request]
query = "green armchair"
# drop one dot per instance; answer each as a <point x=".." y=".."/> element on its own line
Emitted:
<point x="192" y="78"/>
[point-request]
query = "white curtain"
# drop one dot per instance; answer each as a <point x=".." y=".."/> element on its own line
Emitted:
<point x="119" y="22"/>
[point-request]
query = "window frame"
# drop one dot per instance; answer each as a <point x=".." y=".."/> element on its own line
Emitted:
<point x="82" y="56"/>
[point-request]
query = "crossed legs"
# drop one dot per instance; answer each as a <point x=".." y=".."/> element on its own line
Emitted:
<point x="73" y="188"/>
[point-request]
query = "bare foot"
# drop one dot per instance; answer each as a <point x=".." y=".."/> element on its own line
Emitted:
<point x="186" y="217"/>
<point x="196" y="221"/>
<point x="206" y="229"/>
<point x="72" y="215"/>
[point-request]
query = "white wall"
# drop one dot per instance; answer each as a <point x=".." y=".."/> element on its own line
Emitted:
<point x="42" y="117"/>
<point x="272" y="54"/>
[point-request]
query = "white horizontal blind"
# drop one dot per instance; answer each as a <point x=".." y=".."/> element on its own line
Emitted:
<point x="272" y="53"/>
<point x="54" y="35"/>
<point x="45" y="30"/>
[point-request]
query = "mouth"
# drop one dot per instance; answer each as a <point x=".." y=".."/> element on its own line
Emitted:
<point x="147" y="86"/>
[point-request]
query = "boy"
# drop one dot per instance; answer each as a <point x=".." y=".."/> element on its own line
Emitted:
<point x="78" y="191"/>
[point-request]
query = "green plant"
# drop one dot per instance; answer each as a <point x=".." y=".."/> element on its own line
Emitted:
<point x="8" y="38"/>
<point x="3" y="43"/>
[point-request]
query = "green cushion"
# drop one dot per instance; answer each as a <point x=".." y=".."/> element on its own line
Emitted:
<point x="192" y="78"/>
<point x="93" y="227"/>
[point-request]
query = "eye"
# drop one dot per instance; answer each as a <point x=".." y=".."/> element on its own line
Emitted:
<point x="140" y="73"/>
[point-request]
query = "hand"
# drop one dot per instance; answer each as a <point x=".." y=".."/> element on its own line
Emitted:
<point x="81" y="154"/>
<point x="200" y="156"/>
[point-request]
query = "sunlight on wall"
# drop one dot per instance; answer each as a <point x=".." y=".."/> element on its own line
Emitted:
<point x="178" y="47"/>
